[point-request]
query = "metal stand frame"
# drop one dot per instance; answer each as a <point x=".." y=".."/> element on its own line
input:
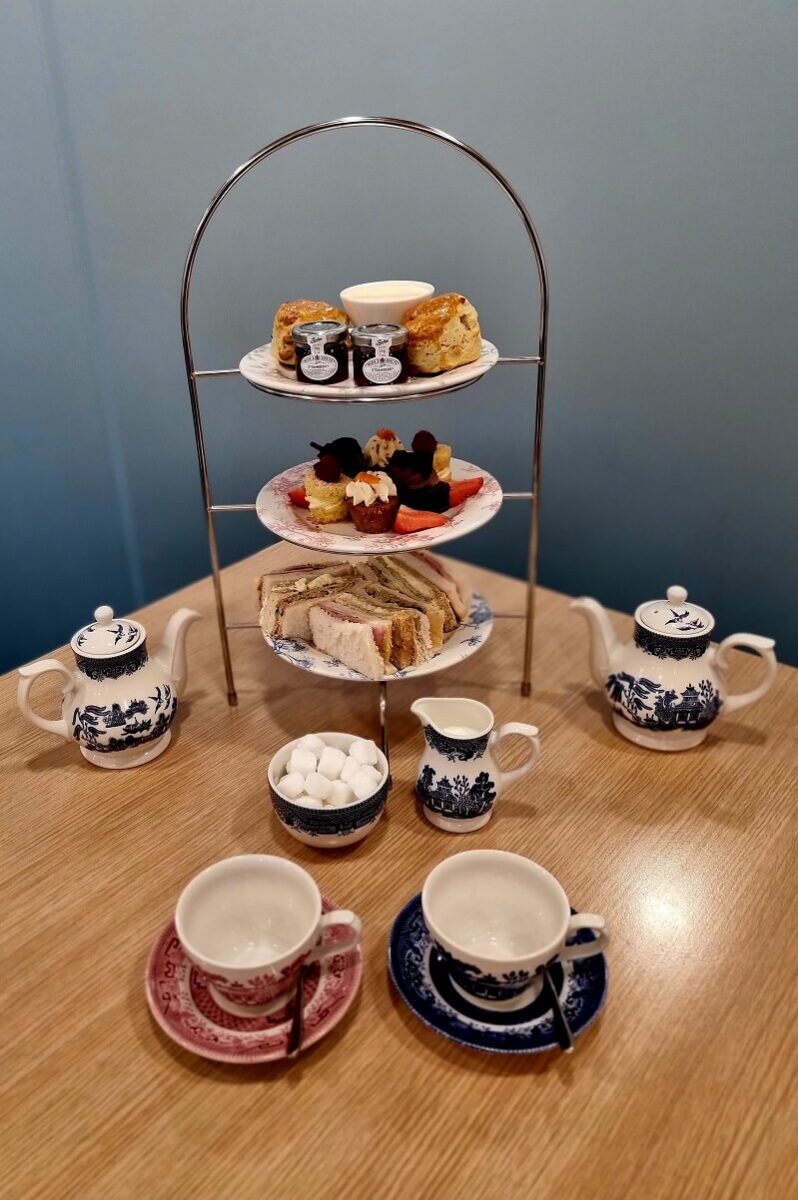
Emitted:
<point x="538" y="360"/>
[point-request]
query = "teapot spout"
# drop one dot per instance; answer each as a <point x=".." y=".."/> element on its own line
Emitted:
<point x="172" y="651"/>
<point x="603" y="639"/>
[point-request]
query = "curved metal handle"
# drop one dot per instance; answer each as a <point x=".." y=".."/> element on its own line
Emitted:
<point x="27" y="676"/>
<point x="529" y="732"/>
<point x="760" y="645"/>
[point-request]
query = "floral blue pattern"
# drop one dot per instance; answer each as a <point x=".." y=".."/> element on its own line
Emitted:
<point x="323" y="822"/>
<point x="479" y="983"/>
<point x="139" y="722"/>
<point x="459" y="797"/>
<point x="421" y="980"/>
<point x="648" y="703"/>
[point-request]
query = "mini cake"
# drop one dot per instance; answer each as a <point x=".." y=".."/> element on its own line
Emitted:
<point x="379" y="449"/>
<point x="371" y="501"/>
<point x="442" y="462"/>
<point x="296" y="312"/>
<point x="346" y="451"/>
<point x="418" y="484"/>
<point x="443" y="332"/>
<point x="325" y="488"/>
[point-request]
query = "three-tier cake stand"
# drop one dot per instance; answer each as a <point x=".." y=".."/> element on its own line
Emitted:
<point x="536" y="362"/>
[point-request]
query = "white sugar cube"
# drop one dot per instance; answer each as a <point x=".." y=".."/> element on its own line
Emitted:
<point x="373" y="773"/>
<point x="318" y="785"/>
<point x="292" y="785"/>
<point x="309" y="802"/>
<point x="342" y="794"/>
<point x="350" y="768"/>
<point x="362" y="784"/>
<point x="363" y="752"/>
<point x="311" y="742"/>
<point x="302" y="761"/>
<point x="331" y="760"/>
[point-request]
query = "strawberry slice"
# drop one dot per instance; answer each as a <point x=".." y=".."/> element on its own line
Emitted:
<point x="412" y="520"/>
<point x="297" y="496"/>
<point x="460" y="491"/>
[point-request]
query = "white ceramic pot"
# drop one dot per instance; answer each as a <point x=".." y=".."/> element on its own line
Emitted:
<point x="118" y="703"/>
<point x="668" y="685"/>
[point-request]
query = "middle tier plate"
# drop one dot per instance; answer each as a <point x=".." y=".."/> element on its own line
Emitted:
<point x="460" y="645"/>
<point x="293" y="524"/>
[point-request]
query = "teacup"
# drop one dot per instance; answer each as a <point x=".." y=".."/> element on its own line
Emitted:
<point x="249" y="923"/>
<point x="496" y="918"/>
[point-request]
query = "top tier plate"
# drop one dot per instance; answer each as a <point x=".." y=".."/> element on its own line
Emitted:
<point x="259" y="368"/>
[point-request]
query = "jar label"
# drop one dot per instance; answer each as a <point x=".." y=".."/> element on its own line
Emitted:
<point x="317" y="365"/>
<point x="383" y="367"/>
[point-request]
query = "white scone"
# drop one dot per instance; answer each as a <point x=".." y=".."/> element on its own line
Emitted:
<point x="443" y="332"/>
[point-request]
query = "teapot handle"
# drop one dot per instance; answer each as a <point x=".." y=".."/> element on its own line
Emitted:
<point x="762" y="646"/>
<point x="526" y="731"/>
<point x="28" y="674"/>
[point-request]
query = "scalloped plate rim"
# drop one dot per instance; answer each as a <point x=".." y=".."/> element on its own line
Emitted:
<point x="280" y="517"/>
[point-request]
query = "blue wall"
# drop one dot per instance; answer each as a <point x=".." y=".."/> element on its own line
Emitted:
<point x="655" y="145"/>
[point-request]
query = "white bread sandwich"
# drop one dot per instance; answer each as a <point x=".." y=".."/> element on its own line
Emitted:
<point x="357" y="639"/>
<point x="409" y="646"/>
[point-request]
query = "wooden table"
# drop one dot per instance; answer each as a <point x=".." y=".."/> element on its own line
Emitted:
<point x="681" y="1088"/>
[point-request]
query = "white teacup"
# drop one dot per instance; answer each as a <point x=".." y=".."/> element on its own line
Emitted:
<point x="249" y="923"/>
<point x="496" y="918"/>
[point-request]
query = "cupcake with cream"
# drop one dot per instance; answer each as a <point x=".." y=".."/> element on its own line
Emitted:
<point x="379" y="449"/>
<point x="371" y="501"/>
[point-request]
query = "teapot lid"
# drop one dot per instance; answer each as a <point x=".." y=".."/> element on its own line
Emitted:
<point x="674" y="618"/>
<point x="108" y="636"/>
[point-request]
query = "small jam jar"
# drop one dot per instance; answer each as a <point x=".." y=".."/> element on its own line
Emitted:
<point x="321" y="353"/>
<point x="379" y="354"/>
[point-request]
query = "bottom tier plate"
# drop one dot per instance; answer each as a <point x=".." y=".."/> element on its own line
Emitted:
<point x="464" y="642"/>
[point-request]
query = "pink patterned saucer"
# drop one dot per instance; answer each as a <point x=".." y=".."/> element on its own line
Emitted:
<point x="180" y="1002"/>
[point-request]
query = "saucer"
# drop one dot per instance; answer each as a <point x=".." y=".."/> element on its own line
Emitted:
<point x="180" y="1002"/>
<point x="423" y="982"/>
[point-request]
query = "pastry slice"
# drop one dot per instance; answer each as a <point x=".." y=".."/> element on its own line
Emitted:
<point x="356" y="639"/>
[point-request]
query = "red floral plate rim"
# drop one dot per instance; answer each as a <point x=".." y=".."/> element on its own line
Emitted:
<point x="182" y="1006"/>
<point x="274" y="509"/>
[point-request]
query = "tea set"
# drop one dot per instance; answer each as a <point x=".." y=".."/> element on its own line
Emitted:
<point x="257" y="964"/>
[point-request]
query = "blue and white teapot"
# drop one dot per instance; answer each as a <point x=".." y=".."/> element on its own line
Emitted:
<point x="119" y="703"/>
<point x="668" y="685"/>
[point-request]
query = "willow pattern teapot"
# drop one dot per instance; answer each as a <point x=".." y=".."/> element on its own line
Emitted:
<point x="119" y="703"/>
<point x="668" y="685"/>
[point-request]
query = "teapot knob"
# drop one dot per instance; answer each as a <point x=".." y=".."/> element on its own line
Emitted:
<point x="104" y="614"/>
<point x="677" y="595"/>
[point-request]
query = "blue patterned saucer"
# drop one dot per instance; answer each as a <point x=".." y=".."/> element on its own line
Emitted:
<point x="423" y="982"/>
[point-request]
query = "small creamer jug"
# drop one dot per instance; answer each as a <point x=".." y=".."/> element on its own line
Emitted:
<point x="459" y="779"/>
